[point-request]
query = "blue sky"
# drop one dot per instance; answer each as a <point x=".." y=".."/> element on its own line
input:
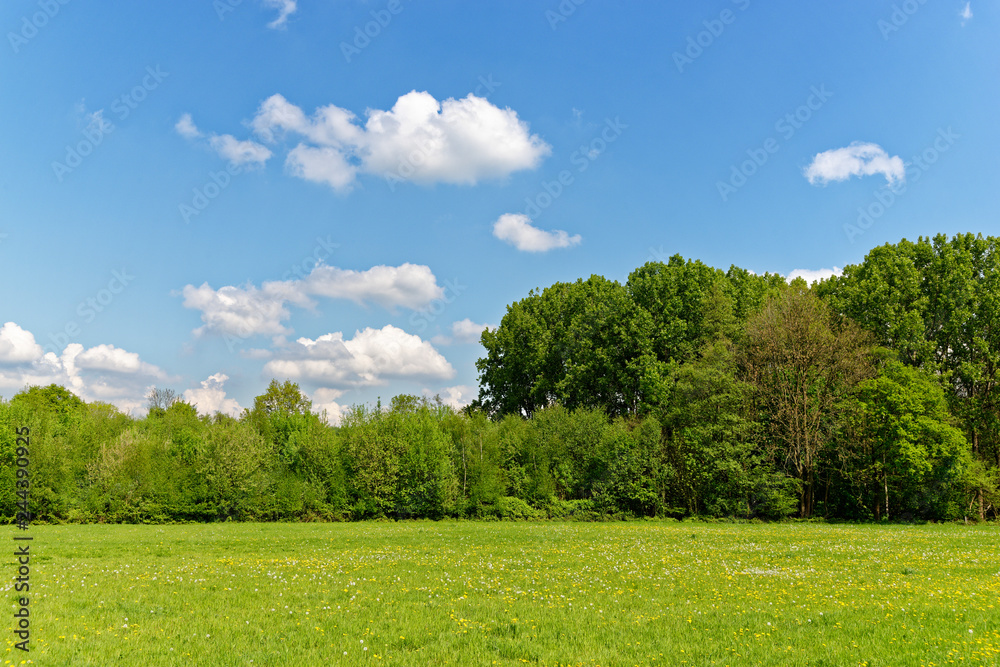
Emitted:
<point x="204" y="196"/>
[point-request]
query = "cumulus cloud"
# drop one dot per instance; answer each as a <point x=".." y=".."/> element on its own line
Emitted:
<point x="370" y="358"/>
<point x="238" y="153"/>
<point x="420" y="140"/>
<point x="211" y="397"/>
<point x="115" y="360"/>
<point x="408" y="285"/>
<point x="517" y="230"/>
<point x="285" y="9"/>
<point x="17" y="345"/>
<point x="321" y="165"/>
<point x="186" y="127"/>
<point x="240" y="311"/>
<point x="100" y="373"/>
<point x="812" y="276"/>
<point x="467" y="331"/>
<point x="858" y="159"/>
<point x="966" y="13"/>
<point x="248" y="310"/>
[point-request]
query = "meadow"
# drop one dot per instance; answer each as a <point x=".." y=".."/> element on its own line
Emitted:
<point x="465" y="593"/>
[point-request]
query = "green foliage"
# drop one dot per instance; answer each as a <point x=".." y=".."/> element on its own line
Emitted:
<point x="630" y="485"/>
<point x="688" y="391"/>
<point x="130" y="479"/>
<point x="52" y="401"/>
<point x="236" y="467"/>
<point x="584" y="345"/>
<point x="515" y="509"/>
<point x="904" y="454"/>
<point x="711" y="447"/>
<point x="936" y="303"/>
<point x="802" y="362"/>
<point x="12" y="417"/>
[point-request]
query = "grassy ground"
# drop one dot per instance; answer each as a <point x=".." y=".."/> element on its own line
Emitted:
<point x="508" y="594"/>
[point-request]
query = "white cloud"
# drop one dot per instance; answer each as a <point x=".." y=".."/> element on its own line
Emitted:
<point x="115" y="360"/>
<point x="324" y="398"/>
<point x="211" y="397"/>
<point x="239" y="311"/>
<point x="239" y="152"/>
<point x="286" y="8"/>
<point x="321" y="165"/>
<point x="858" y="159"/>
<point x="186" y="127"/>
<point x="248" y="310"/>
<point x="409" y="285"/>
<point x="18" y="345"/>
<point x="517" y="230"/>
<point x="227" y="146"/>
<point x="812" y="276"/>
<point x="456" y="397"/>
<point x="966" y="13"/>
<point x="420" y="140"/>
<point x="467" y="331"/>
<point x="100" y="373"/>
<point x="368" y="359"/>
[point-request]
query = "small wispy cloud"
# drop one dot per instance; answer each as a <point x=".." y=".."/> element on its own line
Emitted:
<point x="517" y="230"/>
<point x="858" y="159"/>
<point x="239" y="153"/>
<point x="966" y="13"/>
<point x="186" y="127"/>
<point x="285" y="9"/>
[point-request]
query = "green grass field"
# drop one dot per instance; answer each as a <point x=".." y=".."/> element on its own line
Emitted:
<point x="511" y="593"/>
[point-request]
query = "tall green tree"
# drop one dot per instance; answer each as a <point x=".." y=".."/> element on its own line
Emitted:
<point x="903" y="451"/>
<point x="282" y="416"/>
<point x="803" y="362"/>
<point x="936" y="302"/>
<point x="674" y="294"/>
<point x="583" y="344"/>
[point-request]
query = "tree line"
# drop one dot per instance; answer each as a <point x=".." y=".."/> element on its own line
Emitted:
<point x="869" y="395"/>
<point x="687" y="391"/>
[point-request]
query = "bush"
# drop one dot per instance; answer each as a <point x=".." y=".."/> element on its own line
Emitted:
<point x="515" y="509"/>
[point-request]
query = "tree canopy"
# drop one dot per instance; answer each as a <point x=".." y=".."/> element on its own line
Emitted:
<point x="686" y="391"/>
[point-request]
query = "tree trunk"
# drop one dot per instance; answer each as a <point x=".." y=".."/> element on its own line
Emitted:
<point x="979" y="494"/>
<point x="885" y="478"/>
